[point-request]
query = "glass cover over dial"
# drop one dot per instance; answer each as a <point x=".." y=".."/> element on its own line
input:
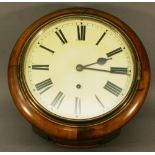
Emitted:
<point x="79" y="68"/>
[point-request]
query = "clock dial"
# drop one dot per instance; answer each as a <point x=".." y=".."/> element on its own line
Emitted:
<point x="79" y="68"/>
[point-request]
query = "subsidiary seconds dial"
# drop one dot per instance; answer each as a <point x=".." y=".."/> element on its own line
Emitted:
<point x="79" y="68"/>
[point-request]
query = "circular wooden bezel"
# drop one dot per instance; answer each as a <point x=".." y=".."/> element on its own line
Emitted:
<point x="77" y="132"/>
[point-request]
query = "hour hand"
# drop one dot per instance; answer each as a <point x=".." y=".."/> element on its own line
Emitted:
<point x="100" y="61"/>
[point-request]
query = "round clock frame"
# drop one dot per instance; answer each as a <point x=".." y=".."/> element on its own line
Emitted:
<point x="76" y="134"/>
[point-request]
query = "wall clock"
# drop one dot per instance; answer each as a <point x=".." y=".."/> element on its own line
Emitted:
<point x="79" y="75"/>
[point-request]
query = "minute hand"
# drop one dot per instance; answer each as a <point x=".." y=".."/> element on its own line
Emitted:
<point x="103" y="70"/>
<point x="95" y="69"/>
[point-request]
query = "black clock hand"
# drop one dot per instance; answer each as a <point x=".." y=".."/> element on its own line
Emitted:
<point x="95" y="69"/>
<point x="123" y="71"/>
<point x="100" y="61"/>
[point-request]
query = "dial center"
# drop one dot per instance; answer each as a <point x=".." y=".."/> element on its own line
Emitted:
<point x="79" y="67"/>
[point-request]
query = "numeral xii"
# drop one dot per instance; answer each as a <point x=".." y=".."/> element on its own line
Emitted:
<point x="81" y="32"/>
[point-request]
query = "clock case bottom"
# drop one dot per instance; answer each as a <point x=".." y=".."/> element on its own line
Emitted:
<point x="77" y="143"/>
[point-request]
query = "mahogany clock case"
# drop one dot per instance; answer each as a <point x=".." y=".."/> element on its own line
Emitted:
<point x="80" y="134"/>
<point x="16" y="38"/>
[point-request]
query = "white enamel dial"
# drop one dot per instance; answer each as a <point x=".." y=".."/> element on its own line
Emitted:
<point x="79" y="68"/>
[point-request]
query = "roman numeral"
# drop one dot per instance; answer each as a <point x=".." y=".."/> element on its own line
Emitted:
<point x="112" y="88"/>
<point x="61" y="36"/>
<point x="40" y="67"/>
<point x="45" y="48"/>
<point x="44" y="85"/>
<point x="119" y="70"/>
<point x="58" y="99"/>
<point x="99" y="101"/>
<point x="81" y="32"/>
<point x="118" y="50"/>
<point x="77" y="109"/>
<point x="102" y="36"/>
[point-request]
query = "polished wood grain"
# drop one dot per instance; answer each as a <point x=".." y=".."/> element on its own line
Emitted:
<point x="68" y="133"/>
